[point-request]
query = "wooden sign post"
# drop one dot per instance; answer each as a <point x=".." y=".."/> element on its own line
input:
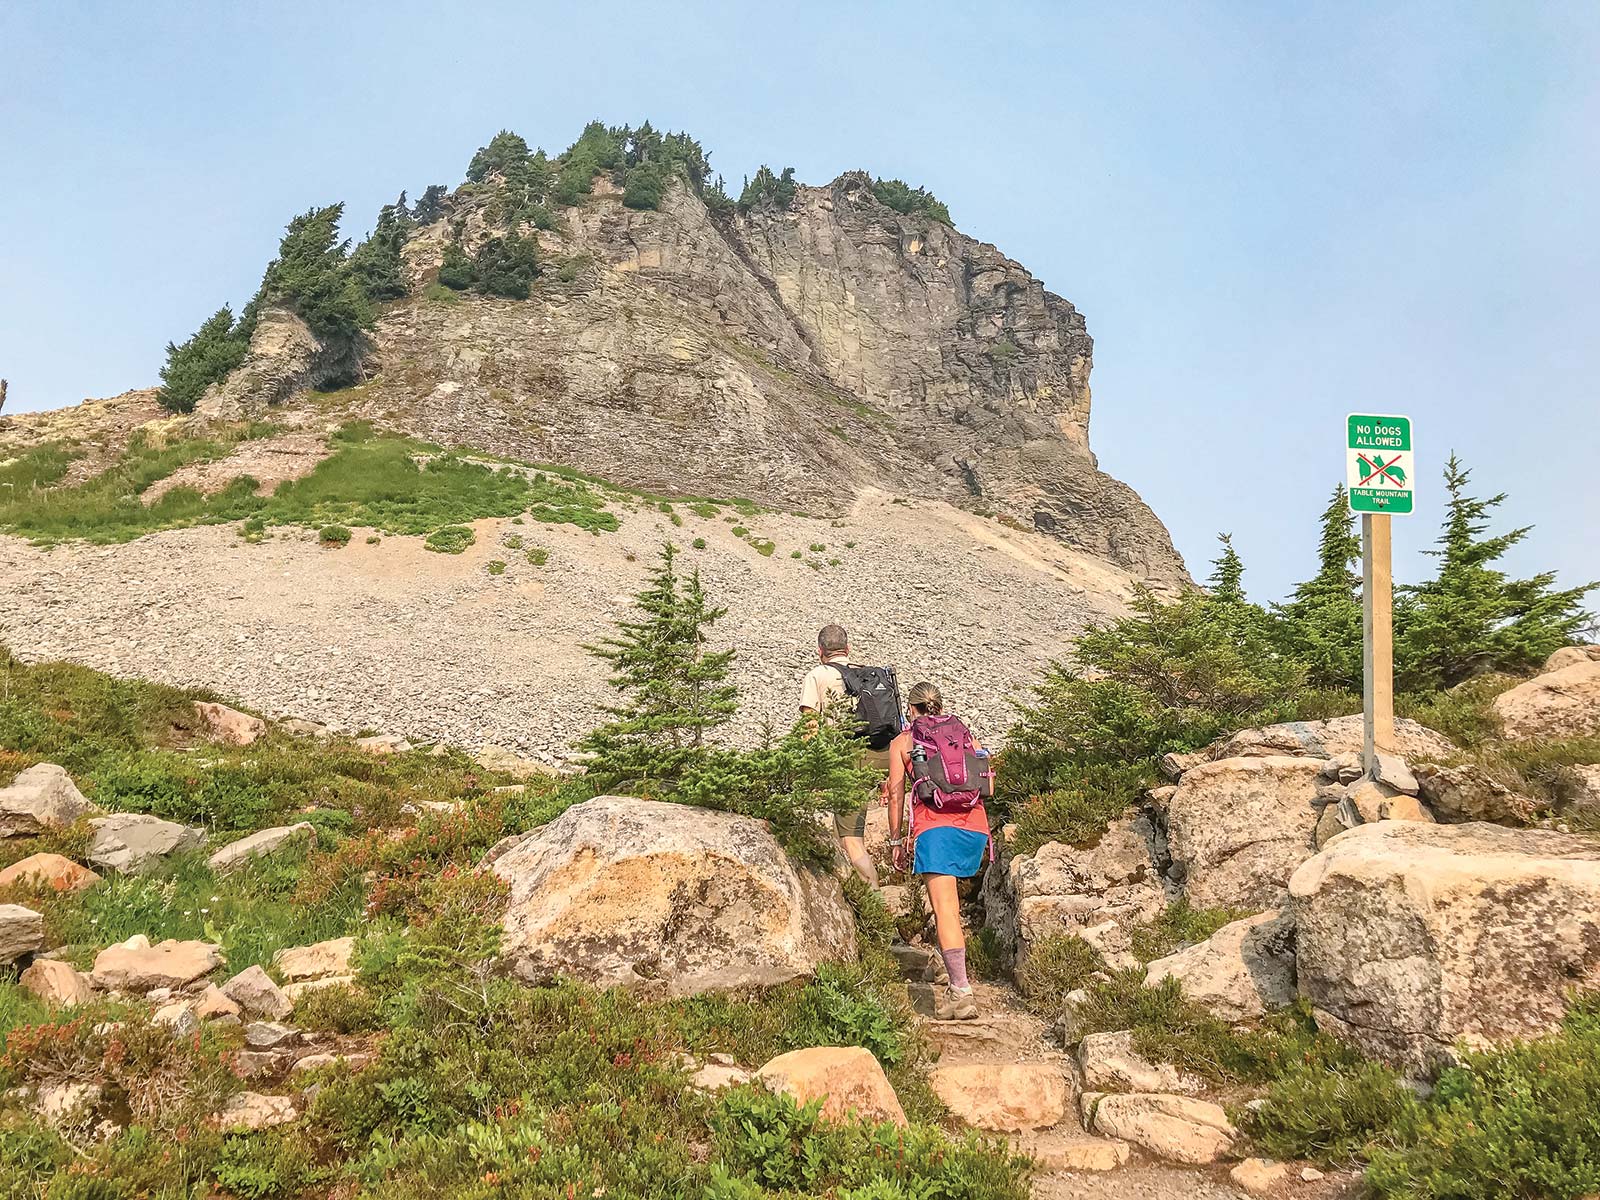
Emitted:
<point x="1379" y="468"/>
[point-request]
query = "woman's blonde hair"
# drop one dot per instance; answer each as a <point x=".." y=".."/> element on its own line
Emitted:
<point x="926" y="697"/>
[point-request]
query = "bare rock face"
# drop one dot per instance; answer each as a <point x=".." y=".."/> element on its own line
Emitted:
<point x="135" y="842"/>
<point x="53" y="871"/>
<point x="1242" y="971"/>
<point x="796" y="357"/>
<point x="1004" y="1097"/>
<point x="847" y="1079"/>
<point x="1558" y="704"/>
<point x="1329" y="739"/>
<point x="1238" y="828"/>
<point x="667" y="899"/>
<point x="1098" y="893"/>
<point x="40" y="798"/>
<point x="1414" y="937"/>
<point x="1569" y="655"/>
<point x="284" y="358"/>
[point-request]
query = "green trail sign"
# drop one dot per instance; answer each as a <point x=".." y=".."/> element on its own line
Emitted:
<point x="1378" y="464"/>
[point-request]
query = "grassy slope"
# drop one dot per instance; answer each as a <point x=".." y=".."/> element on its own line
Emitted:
<point x="480" y="1086"/>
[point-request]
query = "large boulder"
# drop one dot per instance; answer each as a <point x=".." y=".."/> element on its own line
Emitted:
<point x="135" y="842"/>
<point x="1242" y="971"/>
<point x="1568" y="655"/>
<point x="1237" y="829"/>
<point x="1176" y="1128"/>
<point x="284" y="357"/>
<point x="1558" y="704"/>
<point x="667" y="899"/>
<point x="848" y="1080"/>
<point x="1412" y="938"/>
<point x="40" y="798"/>
<point x="52" y="872"/>
<point x="1097" y="892"/>
<point x="1328" y="739"/>
<point x="21" y="932"/>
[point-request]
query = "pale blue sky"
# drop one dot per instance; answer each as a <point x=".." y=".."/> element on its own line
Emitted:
<point x="1271" y="214"/>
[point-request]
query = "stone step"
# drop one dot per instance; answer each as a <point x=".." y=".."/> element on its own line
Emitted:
<point x="1069" y="1150"/>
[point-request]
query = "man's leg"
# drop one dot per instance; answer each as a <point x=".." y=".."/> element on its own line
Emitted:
<point x="855" y="849"/>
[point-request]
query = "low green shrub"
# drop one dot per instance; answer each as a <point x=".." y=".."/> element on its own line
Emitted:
<point x="496" y="567"/>
<point x="1081" y="809"/>
<point x="1334" y="1117"/>
<point x="1180" y="925"/>
<point x="1053" y="967"/>
<point x="538" y="556"/>
<point x="699" y="543"/>
<point x="452" y="539"/>
<point x="334" y="535"/>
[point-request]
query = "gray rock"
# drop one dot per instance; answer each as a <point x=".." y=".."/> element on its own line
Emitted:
<point x="134" y="842"/>
<point x="257" y="995"/>
<point x="1243" y="971"/>
<point x="21" y="932"/>
<point x="41" y="797"/>
<point x="270" y="1035"/>
<point x="1466" y="792"/>
<point x="1330" y="739"/>
<point x="236" y="855"/>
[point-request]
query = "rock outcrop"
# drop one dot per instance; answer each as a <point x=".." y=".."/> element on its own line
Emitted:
<point x="1004" y="1097"/>
<point x="667" y="899"/>
<point x="1176" y="1128"/>
<point x="1330" y="738"/>
<point x="792" y="355"/>
<point x="1098" y="893"/>
<point x="1413" y="937"/>
<point x="1237" y="829"/>
<point x="1562" y="703"/>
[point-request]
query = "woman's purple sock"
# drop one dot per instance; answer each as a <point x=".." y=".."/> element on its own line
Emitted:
<point x="955" y="965"/>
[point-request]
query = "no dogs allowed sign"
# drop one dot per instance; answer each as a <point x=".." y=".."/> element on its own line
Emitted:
<point x="1378" y="464"/>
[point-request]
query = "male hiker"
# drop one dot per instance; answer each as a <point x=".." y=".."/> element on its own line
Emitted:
<point x="877" y="702"/>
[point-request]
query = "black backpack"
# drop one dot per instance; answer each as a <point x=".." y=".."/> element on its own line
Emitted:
<point x="876" y="692"/>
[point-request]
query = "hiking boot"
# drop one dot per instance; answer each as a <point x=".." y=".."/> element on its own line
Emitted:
<point x="958" y="1004"/>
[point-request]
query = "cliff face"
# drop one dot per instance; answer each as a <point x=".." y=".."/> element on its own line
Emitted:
<point x="794" y="357"/>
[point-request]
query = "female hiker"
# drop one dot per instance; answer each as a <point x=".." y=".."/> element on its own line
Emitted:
<point x="948" y="775"/>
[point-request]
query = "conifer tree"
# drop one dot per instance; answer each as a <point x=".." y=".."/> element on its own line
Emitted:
<point x="377" y="263"/>
<point x="1227" y="574"/>
<point x="674" y="688"/>
<point x="216" y="348"/>
<point x="431" y="206"/>
<point x="1321" y="624"/>
<point x="1471" y="618"/>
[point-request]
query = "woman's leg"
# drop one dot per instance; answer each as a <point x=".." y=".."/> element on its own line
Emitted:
<point x="952" y="941"/>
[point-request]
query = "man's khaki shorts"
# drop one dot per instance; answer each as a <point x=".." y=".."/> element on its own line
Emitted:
<point x="854" y="823"/>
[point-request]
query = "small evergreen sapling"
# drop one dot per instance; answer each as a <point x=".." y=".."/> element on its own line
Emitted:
<point x="1321" y="623"/>
<point x="674" y="688"/>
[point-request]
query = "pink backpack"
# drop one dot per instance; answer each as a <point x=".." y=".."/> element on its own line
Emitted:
<point x="948" y="774"/>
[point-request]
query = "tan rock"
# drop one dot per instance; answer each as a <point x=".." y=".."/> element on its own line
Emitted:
<point x="849" y="1079"/>
<point x="1563" y="703"/>
<point x="1569" y="656"/>
<point x="130" y="967"/>
<point x="1466" y="792"/>
<point x="1369" y="799"/>
<point x="1176" y="1128"/>
<point x="1414" y="937"/>
<point x="1055" y="1151"/>
<point x="383" y="744"/>
<point x="41" y="797"/>
<point x="229" y="725"/>
<point x="714" y="1077"/>
<point x="56" y="983"/>
<point x="179" y="1016"/>
<point x="1242" y="971"/>
<point x="666" y="899"/>
<point x="1329" y="739"/>
<point x="241" y="853"/>
<point x="1238" y="828"/>
<point x="296" y="992"/>
<point x="67" y="1103"/>
<point x="1004" y="1097"/>
<point x="53" y="871"/>
<point x="257" y="995"/>
<point x="214" y="1003"/>
<point x="253" y="1110"/>
<point x="1260" y="1176"/>
<point x="21" y="932"/>
<point x="1111" y="1064"/>
<point x="355" y="1061"/>
<point x="1404" y="808"/>
<point x="316" y="961"/>
<point x="498" y="758"/>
